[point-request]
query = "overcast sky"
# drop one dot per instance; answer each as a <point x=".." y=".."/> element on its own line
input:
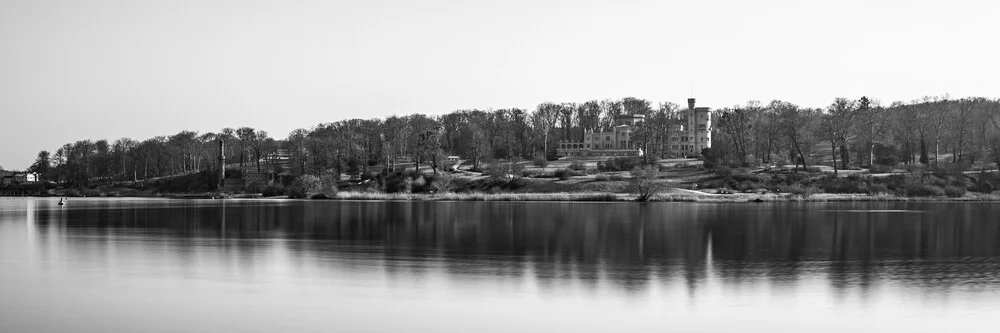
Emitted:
<point x="93" y="69"/>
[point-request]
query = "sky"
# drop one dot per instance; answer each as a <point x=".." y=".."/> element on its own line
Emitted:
<point x="104" y="69"/>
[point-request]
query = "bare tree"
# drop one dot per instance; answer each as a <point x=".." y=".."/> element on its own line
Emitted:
<point x="644" y="182"/>
<point x="545" y="118"/>
<point x="736" y="124"/>
<point x="870" y="125"/>
<point x="834" y="125"/>
<point x="959" y="124"/>
<point x="796" y="124"/>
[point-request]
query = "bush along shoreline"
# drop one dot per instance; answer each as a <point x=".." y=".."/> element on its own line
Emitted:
<point x="613" y="180"/>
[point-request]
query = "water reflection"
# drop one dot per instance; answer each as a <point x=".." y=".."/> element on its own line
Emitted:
<point x="628" y="244"/>
<point x="850" y="253"/>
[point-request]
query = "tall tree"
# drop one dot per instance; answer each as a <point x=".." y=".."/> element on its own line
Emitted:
<point x="870" y="126"/>
<point x="797" y="126"/>
<point x="545" y="118"/>
<point x="42" y="164"/>
<point x="835" y="125"/>
<point x="737" y="125"/>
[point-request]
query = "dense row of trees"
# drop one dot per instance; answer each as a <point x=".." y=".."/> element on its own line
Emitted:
<point x="352" y="146"/>
<point x="860" y="132"/>
<point x="856" y="133"/>
<point x="359" y="145"/>
<point x="88" y="162"/>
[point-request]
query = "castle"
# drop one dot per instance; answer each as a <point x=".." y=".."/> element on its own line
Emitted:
<point x="687" y="137"/>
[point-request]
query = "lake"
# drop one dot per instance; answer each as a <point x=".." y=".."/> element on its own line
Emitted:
<point x="151" y="265"/>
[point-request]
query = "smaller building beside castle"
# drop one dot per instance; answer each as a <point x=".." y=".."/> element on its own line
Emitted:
<point x="616" y="142"/>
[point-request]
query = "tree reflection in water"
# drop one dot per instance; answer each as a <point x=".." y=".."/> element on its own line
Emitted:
<point x="625" y="245"/>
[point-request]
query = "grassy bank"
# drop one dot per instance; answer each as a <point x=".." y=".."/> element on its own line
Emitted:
<point x="670" y="195"/>
<point x="481" y="196"/>
<point x="662" y="197"/>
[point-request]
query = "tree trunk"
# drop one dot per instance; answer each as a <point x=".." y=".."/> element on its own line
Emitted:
<point x="871" y="155"/>
<point x="923" y="151"/>
<point x="845" y="153"/>
<point x="833" y="152"/>
<point x="937" y="151"/>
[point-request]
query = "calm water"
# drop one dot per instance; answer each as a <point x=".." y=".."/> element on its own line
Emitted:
<point x="281" y="266"/>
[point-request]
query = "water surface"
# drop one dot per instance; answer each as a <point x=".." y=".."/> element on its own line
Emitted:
<point x="103" y="265"/>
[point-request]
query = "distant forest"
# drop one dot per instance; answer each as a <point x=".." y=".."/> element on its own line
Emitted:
<point x="854" y="133"/>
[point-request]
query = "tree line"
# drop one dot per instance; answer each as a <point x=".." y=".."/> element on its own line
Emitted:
<point x="90" y="162"/>
<point x="356" y="146"/>
<point x="859" y="132"/>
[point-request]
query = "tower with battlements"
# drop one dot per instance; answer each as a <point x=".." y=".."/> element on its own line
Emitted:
<point x="692" y="133"/>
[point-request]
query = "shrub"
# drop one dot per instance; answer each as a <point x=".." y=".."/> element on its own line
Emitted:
<point x="577" y="165"/>
<point x="915" y="168"/>
<point x="878" y="168"/>
<point x="644" y="182"/>
<point x="620" y="164"/>
<point x="505" y="171"/>
<point x="399" y="181"/>
<point x="304" y="185"/>
<point x="798" y="189"/>
<point x="540" y="161"/>
<point x="533" y="174"/>
<point x="602" y="178"/>
<point x="984" y="187"/>
<point x="273" y="190"/>
<point x="876" y="189"/>
<point x="443" y="183"/>
<point x="711" y="157"/>
<point x="254" y="187"/>
<point x="682" y="165"/>
<point x="954" y="167"/>
<point x="844" y="185"/>
<point x="924" y="190"/>
<point x="723" y="170"/>
<point x="564" y="174"/>
<point x="954" y="191"/>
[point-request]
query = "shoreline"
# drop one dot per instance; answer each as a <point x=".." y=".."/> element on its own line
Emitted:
<point x="570" y="197"/>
